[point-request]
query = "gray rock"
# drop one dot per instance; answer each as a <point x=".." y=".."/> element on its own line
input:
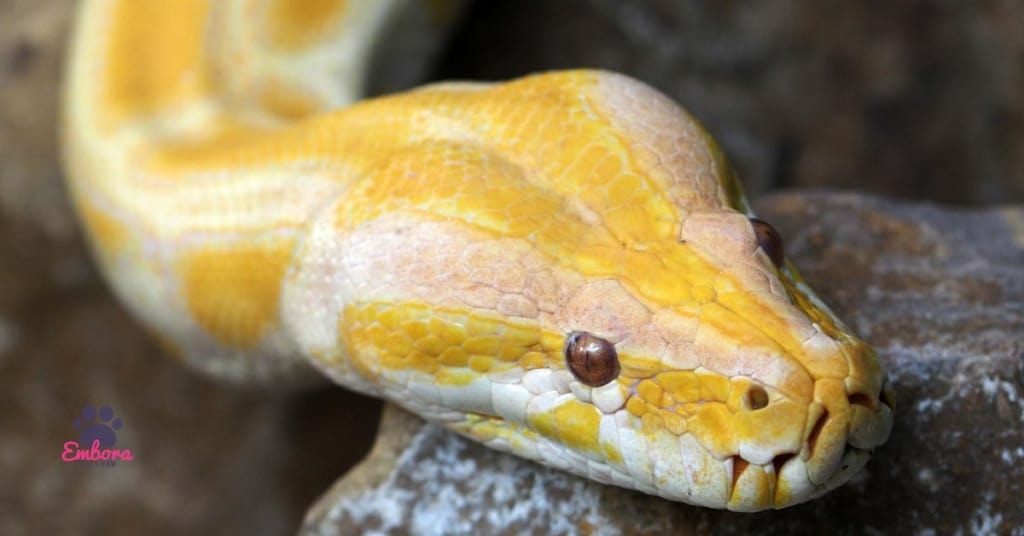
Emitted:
<point x="940" y="292"/>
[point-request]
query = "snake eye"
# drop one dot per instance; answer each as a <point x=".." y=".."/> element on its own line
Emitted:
<point x="769" y="240"/>
<point x="591" y="359"/>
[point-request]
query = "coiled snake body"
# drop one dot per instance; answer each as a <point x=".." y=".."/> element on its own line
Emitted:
<point x="562" y="266"/>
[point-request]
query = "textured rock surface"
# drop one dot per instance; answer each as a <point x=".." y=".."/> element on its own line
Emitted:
<point x="918" y="98"/>
<point x="941" y="294"/>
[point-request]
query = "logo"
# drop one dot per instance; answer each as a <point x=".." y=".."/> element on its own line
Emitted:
<point x="97" y="434"/>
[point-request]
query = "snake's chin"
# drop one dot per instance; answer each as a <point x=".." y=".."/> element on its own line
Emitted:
<point x="851" y="463"/>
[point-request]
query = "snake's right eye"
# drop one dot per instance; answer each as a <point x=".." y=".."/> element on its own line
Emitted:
<point x="770" y="241"/>
<point x="592" y="360"/>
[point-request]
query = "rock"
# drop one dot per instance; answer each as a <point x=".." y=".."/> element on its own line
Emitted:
<point x="937" y="290"/>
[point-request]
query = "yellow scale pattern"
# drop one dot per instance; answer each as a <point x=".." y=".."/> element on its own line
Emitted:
<point x="453" y="348"/>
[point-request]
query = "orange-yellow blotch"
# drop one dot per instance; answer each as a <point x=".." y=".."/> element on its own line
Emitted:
<point x="415" y="329"/>
<point x="651" y="279"/>
<point x="296" y="24"/>
<point x="552" y="342"/>
<point x="155" y="56"/>
<point x="454" y="346"/>
<point x="577" y="425"/>
<point x="520" y="335"/>
<point x="480" y="325"/>
<point x="468" y="184"/>
<point x="712" y="424"/>
<point x="451" y="332"/>
<point x="542" y="422"/>
<point x="636" y="406"/>
<point x="480" y="363"/>
<point x="621" y="188"/>
<point x="634" y="367"/>
<point x="713" y="386"/>
<point x="533" y="360"/>
<point x="108" y="235"/>
<point x="392" y="349"/>
<point x="419" y="361"/>
<point x="454" y="356"/>
<point x="651" y="392"/>
<point x="286" y="103"/>
<point x="704" y="294"/>
<point x="374" y="334"/>
<point x="482" y="429"/>
<point x="674" y="423"/>
<point x="638" y="223"/>
<point x="779" y="426"/>
<point x="762" y="316"/>
<point x="681" y="385"/>
<point x="430" y="345"/>
<point x="733" y="324"/>
<point x="829" y="434"/>
<point x="652" y="420"/>
<point x="823" y="320"/>
<point x="234" y="293"/>
<point x="483" y="344"/>
<point x="753" y="486"/>
<point x="388" y="318"/>
<point x="865" y="371"/>
<point x="509" y="353"/>
<point x="738" y="393"/>
<point x="611" y="452"/>
<point x="454" y="377"/>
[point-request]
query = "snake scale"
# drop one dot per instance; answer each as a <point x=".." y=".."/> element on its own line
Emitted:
<point x="562" y="266"/>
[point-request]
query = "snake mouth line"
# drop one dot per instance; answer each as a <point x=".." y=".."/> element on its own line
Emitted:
<point x="850" y="461"/>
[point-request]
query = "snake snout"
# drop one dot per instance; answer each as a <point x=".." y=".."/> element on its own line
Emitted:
<point x="843" y="434"/>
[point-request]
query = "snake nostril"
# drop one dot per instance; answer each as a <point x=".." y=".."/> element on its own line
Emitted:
<point x="757" y="397"/>
<point x="812" y="439"/>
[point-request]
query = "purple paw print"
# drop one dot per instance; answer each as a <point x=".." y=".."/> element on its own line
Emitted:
<point x="93" y="425"/>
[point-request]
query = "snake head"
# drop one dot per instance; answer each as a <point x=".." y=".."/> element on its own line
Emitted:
<point x="736" y="388"/>
<point x="563" y="267"/>
<point x="699" y="369"/>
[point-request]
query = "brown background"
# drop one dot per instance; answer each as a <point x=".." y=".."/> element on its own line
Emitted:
<point x="917" y="100"/>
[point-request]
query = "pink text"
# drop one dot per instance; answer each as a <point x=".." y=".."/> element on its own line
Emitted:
<point x="74" y="453"/>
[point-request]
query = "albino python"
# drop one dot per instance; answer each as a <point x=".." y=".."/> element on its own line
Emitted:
<point x="562" y="266"/>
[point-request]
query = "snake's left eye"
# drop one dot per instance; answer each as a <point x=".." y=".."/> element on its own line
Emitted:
<point x="770" y="241"/>
<point x="592" y="360"/>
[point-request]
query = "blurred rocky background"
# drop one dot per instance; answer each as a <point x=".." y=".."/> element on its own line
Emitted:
<point x="916" y="100"/>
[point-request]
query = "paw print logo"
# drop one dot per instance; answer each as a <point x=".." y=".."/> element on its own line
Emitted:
<point x="99" y="425"/>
